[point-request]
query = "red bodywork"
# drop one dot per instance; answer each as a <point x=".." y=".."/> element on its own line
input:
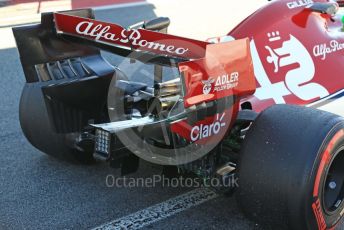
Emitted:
<point x="226" y="69"/>
<point x="137" y="39"/>
<point x="213" y="72"/>
<point x="297" y="53"/>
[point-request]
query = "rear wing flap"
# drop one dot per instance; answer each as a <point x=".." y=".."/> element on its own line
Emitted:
<point x="41" y="49"/>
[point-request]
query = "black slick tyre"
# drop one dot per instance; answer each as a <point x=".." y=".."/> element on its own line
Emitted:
<point x="291" y="171"/>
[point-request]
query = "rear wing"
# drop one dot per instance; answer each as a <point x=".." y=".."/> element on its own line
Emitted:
<point x="114" y="35"/>
<point x="227" y="65"/>
<point x="67" y="44"/>
<point x="63" y="53"/>
<point x="47" y="54"/>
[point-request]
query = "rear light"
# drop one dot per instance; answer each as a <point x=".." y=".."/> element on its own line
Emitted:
<point x="103" y="142"/>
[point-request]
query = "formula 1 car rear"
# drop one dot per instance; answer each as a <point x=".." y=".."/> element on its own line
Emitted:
<point x="205" y="108"/>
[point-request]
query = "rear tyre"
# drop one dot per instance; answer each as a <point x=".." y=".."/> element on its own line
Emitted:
<point x="35" y="123"/>
<point x="36" y="127"/>
<point x="291" y="171"/>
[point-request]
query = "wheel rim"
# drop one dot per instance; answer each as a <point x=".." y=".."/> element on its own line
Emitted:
<point x="333" y="194"/>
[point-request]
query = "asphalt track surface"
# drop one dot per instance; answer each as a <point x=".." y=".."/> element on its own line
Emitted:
<point x="39" y="192"/>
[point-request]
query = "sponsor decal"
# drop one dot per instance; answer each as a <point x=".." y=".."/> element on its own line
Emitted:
<point x="133" y="37"/>
<point x="207" y="86"/>
<point x="297" y="80"/>
<point x="324" y="49"/>
<point x="226" y="82"/>
<point x="300" y="3"/>
<point x="202" y="131"/>
<point x="223" y="82"/>
<point x="319" y="216"/>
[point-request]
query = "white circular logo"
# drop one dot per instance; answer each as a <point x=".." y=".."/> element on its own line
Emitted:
<point x="207" y="86"/>
<point x="156" y="134"/>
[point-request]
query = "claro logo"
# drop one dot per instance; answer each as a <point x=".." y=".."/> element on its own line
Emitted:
<point x="202" y="131"/>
